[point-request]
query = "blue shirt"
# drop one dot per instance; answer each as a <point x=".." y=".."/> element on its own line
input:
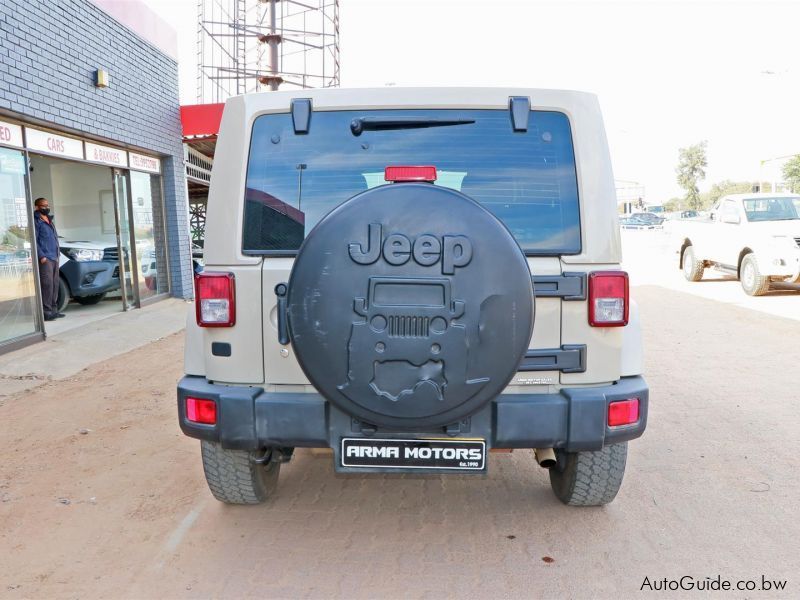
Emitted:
<point x="46" y="237"/>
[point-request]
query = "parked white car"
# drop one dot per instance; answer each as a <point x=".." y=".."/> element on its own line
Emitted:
<point x="755" y="237"/>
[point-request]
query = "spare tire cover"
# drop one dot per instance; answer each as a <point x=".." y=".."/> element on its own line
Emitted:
<point x="410" y="306"/>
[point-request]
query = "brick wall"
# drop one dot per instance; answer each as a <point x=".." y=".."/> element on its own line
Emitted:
<point x="49" y="51"/>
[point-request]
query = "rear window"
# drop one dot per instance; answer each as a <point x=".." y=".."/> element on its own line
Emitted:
<point x="526" y="179"/>
<point x="771" y="209"/>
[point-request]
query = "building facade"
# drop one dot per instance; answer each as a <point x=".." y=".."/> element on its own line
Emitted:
<point x="90" y="119"/>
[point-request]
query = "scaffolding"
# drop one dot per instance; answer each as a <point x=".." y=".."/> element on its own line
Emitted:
<point x="257" y="45"/>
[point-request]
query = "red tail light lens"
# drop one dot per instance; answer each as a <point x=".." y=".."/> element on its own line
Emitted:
<point x="608" y="299"/>
<point x="410" y="174"/>
<point x="623" y="412"/>
<point x="200" y="410"/>
<point x="215" y="301"/>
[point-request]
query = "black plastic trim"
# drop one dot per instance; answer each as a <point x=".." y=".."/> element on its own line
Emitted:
<point x="221" y="349"/>
<point x="567" y="286"/>
<point x="569" y="358"/>
<point x="361" y="124"/>
<point x="574" y="419"/>
<point x="301" y="115"/>
<point x="520" y="109"/>
<point x="283" y="322"/>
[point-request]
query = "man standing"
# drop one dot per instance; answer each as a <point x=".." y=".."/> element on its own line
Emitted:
<point x="47" y="251"/>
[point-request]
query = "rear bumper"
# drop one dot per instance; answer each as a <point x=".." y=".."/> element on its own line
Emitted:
<point x="248" y="418"/>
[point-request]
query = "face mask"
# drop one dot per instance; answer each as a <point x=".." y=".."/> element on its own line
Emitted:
<point x="44" y="211"/>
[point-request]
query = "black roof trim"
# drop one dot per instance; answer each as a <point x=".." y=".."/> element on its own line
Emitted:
<point x="301" y="115"/>
<point x="520" y="109"/>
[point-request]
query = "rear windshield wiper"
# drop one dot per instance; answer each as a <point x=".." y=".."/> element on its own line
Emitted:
<point x="357" y="126"/>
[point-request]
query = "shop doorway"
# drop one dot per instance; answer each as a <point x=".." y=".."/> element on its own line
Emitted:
<point x="110" y="227"/>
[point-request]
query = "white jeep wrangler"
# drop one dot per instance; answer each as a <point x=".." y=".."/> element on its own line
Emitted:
<point x="413" y="277"/>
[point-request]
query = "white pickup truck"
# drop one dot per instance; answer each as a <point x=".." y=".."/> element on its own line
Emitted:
<point x="755" y="237"/>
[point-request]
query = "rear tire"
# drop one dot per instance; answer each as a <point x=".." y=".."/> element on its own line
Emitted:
<point x="88" y="300"/>
<point x="589" y="478"/>
<point x="692" y="268"/>
<point x="234" y="477"/>
<point x="753" y="282"/>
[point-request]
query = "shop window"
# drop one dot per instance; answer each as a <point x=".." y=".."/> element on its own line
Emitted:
<point x="18" y="305"/>
<point x="149" y="234"/>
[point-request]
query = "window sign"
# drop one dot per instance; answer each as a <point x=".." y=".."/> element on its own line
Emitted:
<point x="106" y="155"/>
<point x="10" y="135"/>
<point x="140" y="162"/>
<point x="52" y="143"/>
<point x="13" y="164"/>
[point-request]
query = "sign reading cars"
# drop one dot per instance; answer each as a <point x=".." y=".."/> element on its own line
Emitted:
<point x="52" y="143"/>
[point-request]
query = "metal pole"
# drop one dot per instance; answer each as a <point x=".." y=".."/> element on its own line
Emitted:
<point x="273" y="46"/>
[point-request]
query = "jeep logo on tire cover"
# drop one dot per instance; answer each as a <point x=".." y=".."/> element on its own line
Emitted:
<point x="453" y="251"/>
<point x="410" y="306"/>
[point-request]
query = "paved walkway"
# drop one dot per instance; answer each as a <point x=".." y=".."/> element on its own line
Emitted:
<point x="64" y="354"/>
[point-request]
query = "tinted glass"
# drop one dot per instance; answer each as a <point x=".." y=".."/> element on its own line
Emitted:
<point x="17" y="288"/>
<point x="148" y="228"/>
<point x="527" y="179"/>
<point x="770" y="209"/>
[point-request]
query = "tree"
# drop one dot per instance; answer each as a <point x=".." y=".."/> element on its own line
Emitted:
<point x="723" y="188"/>
<point x="691" y="169"/>
<point x="791" y="173"/>
<point x="16" y="236"/>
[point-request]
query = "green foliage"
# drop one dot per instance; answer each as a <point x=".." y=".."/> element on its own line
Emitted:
<point x="691" y="169"/>
<point x="16" y="236"/>
<point x="791" y="173"/>
<point x="723" y="188"/>
<point x="672" y="205"/>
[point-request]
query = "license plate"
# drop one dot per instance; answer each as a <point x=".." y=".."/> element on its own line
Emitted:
<point x="463" y="455"/>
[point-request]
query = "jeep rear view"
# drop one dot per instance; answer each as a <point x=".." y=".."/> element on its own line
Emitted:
<point x="412" y="278"/>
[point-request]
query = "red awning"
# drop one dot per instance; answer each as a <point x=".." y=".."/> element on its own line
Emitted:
<point x="201" y="119"/>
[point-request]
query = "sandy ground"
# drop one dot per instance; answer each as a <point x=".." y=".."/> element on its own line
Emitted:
<point x="102" y="496"/>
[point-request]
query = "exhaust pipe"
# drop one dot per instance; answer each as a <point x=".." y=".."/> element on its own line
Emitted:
<point x="546" y="457"/>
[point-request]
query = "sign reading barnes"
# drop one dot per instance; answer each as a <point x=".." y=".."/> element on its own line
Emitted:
<point x="141" y="162"/>
<point x="10" y="135"/>
<point x="106" y="155"/>
<point x="52" y="143"/>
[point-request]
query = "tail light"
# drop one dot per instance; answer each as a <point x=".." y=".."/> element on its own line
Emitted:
<point x="608" y="299"/>
<point x="200" y="410"/>
<point x="623" y="412"/>
<point x="410" y="174"/>
<point x="215" y="301"/>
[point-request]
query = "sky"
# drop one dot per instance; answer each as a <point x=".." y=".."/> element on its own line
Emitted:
<point x="668" y="74"/>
